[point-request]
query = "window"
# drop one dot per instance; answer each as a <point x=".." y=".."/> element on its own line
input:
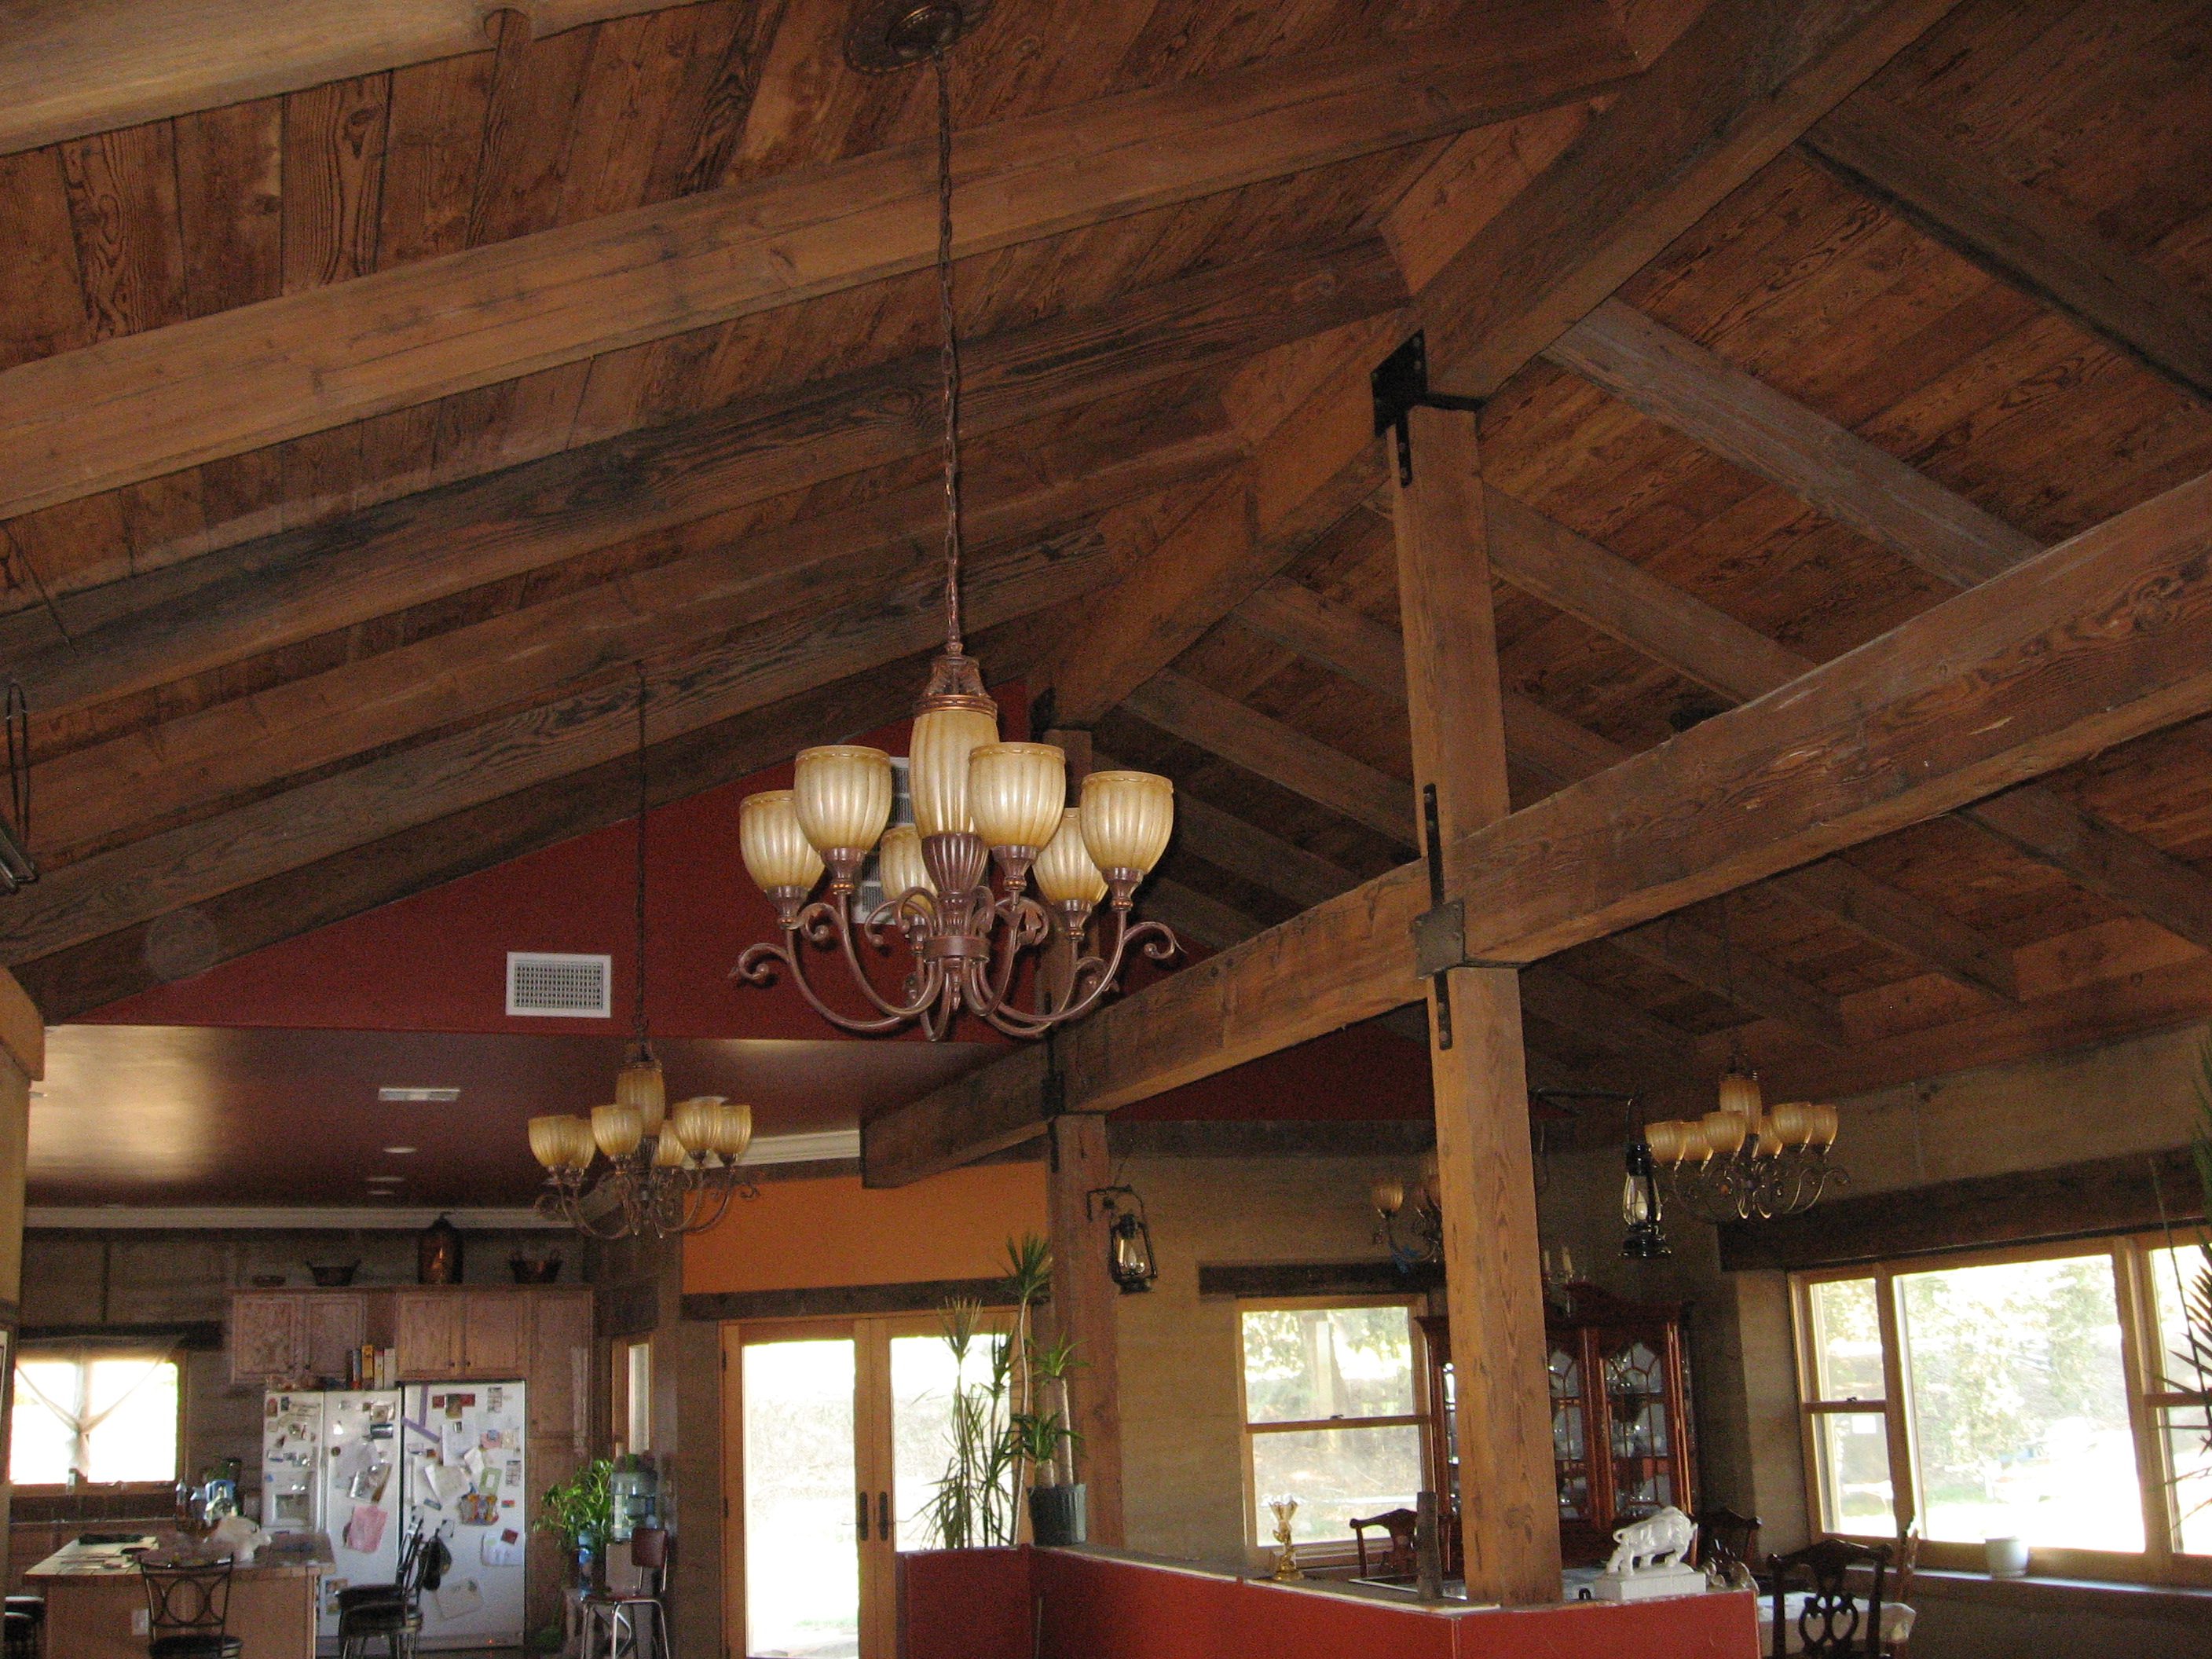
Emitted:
<point x="1332" y="1415"/>
<point x="113" y="1415"/>
<point x="2033" y="1393"/>
<point x="638" y="1395"/>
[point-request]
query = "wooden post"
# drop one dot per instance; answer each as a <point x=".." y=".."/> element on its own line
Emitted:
<point x="1493" y="1287"/>
<point x="1084" y="1310"/>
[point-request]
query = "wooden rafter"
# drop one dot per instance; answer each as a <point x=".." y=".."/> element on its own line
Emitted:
<point x="147" y="404"/>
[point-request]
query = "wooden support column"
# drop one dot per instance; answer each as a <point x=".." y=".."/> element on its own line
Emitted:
<point x="1494" y="1283"/>
<point x="1084" y="1310"/>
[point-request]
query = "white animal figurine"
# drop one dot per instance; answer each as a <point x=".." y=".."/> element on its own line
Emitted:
<point x="1659" y="1542"/>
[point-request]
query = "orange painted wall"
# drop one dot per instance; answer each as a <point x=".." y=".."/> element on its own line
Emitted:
<point x="802" y="1235"/>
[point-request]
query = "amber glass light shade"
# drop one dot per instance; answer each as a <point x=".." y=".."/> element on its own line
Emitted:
<point x="733" y="1129"/>
<point x="1065" y="871"/>
<point x="1790" y="1122"/>
<point x="1669" y="1141"/>
<point x="1820" y="1126"/>
<point x="937" y="765"/>
<point x="1723" y="1132"/>
<point x="776" y="851"/>
<point x="1016" y="793"/>
<point x="639" y="1083"/>
<point x="1740" y="1091"/>
<point x="695" y="1121"/>
<point x="1126" y="818"/>
<point x="618" y="1129"/>
<point x="842" y="795"/>
<point x="1388" y="1196"/>
<point x="583" y="1146"/>
<point x="548" y="1140"/>
<point x="668" y="1151"/>
<point x="900" y="863"/>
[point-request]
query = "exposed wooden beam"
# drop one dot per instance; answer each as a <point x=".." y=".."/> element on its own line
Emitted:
<point x="1731" y="93"/>
<point x="1740" y="976"/>
<point x="1335" y="636"/>
<point x="1268" y="748"/>
<point x="1083" y="1310"/>
<point x="1611" y="1022"/>
<point x="2022" y="237"/>
<point x="2101" y="639"/>
<point x="261" y="594"/>
<point x="659" y="616"/>
<point x="1905" y="923"/>
<point x="1244" y="850"/>
<point x="1678" y="382"/>
<point x="67" y="71"/>
<point x="1197" y="916"/>
<point x="2103" y="858"/>
<point x="788" y="654"/>
<point x="143" y="405"/>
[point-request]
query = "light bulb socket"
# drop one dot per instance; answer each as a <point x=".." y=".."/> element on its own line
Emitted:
<point x="845" y="864"/>
<point x="1013" y="864"/>
<point x="1121" y="886"/>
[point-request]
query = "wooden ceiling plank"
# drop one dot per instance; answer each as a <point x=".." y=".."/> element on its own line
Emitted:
<point x="657" y="615"/>
<point x="779" y="659"/>
<point x="2104" y="637"/>
<point x="1195" y="916"/>
<point x="1897" y="920"/>
<point x="1729" y="94"/>
<point x="332" y="163"/>
<point x="437" y="119"/>
<point x="1680" y="384"/>
<point x="251" y="598"/>
<point x="1551" y="992"/>
<point x="1229" y="843"/>
<point x="1283" y="756"/>
<point x="230" y="192"/>
<point x="130" y="253"/>
<point x="2019" y="236"/>
<point x="2101" y="857"/>
<point x="1740" y="976"/>
<point x="128" y="409"/>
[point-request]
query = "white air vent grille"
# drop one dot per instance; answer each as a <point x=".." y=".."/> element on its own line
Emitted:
<point x="542" y="983"/>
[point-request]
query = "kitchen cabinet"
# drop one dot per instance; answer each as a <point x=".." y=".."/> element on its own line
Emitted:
<point x="268" y="1337"/>
<point x="333" y="1329"/>
<point x="426" y="1335"/>
<point x="560" y="1365"/>
<point x="494" y="1333"/>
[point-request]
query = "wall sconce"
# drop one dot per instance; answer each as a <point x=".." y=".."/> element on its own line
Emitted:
<point x="1425" y="1223"/>
<point x="1128" y="1237"/>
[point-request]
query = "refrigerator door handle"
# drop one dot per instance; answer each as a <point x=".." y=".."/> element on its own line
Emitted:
<point x="861" y="1519"/>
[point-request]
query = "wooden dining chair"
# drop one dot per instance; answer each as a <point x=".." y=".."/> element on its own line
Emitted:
<point x="1831" y="1622"/>
<point x="1398" y="1563"/>
<point x="1728" y="1543"/>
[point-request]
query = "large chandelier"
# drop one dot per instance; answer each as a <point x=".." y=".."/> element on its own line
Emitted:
<point x="989" y="817"/>
<point x="664" y="1171"/>
<point x="1742" y="1162"/>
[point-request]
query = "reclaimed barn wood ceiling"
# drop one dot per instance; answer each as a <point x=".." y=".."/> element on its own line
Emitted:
<point x="1955" y="311"/>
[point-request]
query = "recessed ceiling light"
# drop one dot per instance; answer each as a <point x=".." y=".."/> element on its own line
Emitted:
<point x="396" y="1094"/>
<point x="398" y="1151"/>
<point x="375" y="1178"/>
<point x="382" y="1192"/>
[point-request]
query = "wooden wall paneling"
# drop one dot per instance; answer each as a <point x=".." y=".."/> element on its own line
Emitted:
<point x="123" y="410"/>
<point x="1085" y="1310"/>
<point x="249" y="598"/>
<point x="2021" y="236"/>
<point x="1493" y="1281"/>
<point x="1727" y="96"/>
<point x="123" y="209"/>
<point x="333" y="175"/>
<point x="230" y="205"/>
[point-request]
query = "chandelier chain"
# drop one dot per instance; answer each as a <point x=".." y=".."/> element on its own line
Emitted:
<point x="950" y="353"/>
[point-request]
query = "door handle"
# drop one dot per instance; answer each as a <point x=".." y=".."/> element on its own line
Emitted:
<point x="861" y="1519"/>
<point x="884" y="1517"/>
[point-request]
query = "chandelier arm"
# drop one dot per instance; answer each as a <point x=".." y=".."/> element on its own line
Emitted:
<point x="891" y="1022"/>
<point x="1163" y="944"/>
<point x="893" y="1011"/>
<point x="1023" y="924"/>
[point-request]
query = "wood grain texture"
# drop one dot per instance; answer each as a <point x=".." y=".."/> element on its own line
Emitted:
<point x="1726" y="97"/>
<point x="2019" y="236"/>
<point x="1085" y="1309"/>
<point x="2101" y="857"/>
<point x="260" y="594"/>
<point x="1690" y="953"/>
<point x="1675" y="380"/>
<point x="131" y="409"/>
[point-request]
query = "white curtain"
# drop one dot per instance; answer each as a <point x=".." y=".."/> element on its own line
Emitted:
<point x="76" y="1413"/>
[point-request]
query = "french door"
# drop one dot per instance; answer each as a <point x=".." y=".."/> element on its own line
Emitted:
<point x="835" y="1435"/>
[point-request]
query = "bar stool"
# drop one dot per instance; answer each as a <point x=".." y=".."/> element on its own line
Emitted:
<point x="26" y="1626"/>
<point x="636" y="1613"/>
<point x="187" y="1608"/>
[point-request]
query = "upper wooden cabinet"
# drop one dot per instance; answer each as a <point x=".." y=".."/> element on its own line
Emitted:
<point x="427" y="1334"/>
<point x="333" y="1328"/>
<point x="438" y="1334"/>
<point x="494" y="1335"/>
<point x="268" y="1337"/>
<point x="560" y="1364"/>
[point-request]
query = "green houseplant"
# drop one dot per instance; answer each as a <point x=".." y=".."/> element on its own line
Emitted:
<point x="580" y="1512"/>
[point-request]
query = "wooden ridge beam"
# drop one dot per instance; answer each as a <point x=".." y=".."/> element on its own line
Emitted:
<point x="790" y="654"/>
<point x="1731" y="92"/>
<point x="658" y="616"/>
<point x="141" y="405"/>
<point x="2022" y="237"/>
<point x="2101" y="857"/>
<point x="251" y="597"/>
<point x="2102" y="638"/>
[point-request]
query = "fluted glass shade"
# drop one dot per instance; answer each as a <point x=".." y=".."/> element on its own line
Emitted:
<point x="937" y="765"/>
<point x="668" y="1151"/>
<point x="1065" y="870"/>
<point x="1670" y="1141"/>
<point x="583" y="1146"/>
<point x="899" y="862"/>
<point x="550" y="1137"/>
<point x="733" y="1130"/>
<point x="1740" y="1091"/>
<point x="842" y="794"/>
<point x="639" y="1083"/>
<point x="618" y="1129"/>
<point x="1126" y="818"/>
<point x="777" y="853"/>
<point x="695" y="1121"/>
<point x="1724" y="1131"/>
<point x="1821" y="1124"/>
<point x="1388" y="1196"/>
<point x="1016" y="791"/>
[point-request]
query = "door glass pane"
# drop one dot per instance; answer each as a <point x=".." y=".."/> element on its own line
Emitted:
<point x="924" y="1378"/>
<point x="1335" y="1474"/>
<point x="2189" y="1445"/>
<point x="1851" y="1452"/>
<point x="802" y="1565"/>
<point x="1846" y="1340"/>
<point x="2019" y="1403"/>
<point x="1309" y="1365"/>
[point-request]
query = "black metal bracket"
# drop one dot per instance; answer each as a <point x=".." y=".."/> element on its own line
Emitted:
<point x="1439" y="932"/>
<point x="1400" y="385"/>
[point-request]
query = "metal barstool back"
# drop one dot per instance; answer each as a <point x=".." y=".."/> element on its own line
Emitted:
<point x="188" y="1610"/>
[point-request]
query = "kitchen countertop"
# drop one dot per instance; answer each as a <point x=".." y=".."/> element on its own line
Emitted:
<point x="74" y="1562"/>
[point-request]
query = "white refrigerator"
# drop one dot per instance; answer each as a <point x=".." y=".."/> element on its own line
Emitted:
<point x="369" y="1468"/>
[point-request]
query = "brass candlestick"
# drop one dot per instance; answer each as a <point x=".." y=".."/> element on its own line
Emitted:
<point x="1287" y="1560"/>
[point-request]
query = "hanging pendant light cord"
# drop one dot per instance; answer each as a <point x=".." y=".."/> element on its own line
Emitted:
<point x="640" y="1014"/>
<point x="950" y="356"/>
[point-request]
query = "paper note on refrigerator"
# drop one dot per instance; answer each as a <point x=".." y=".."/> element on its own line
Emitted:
<point x="365" y="1531"/>
<point x="458" y="1598"/>
<point x="498" y="1552"/>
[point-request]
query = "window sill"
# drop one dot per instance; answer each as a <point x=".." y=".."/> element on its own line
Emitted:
<point x="2112" y="1598"/>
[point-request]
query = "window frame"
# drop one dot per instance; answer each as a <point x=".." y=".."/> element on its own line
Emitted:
<point x="1327" y="1553"/>
<point x="2127" y="1256"/>
<point x="83" y="1356"/>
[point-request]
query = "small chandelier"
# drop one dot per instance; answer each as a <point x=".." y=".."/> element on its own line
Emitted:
<point x="982" y="808"/>
<point x="1423" y="1219"/>
<point x="666" y="1172"/>
<point x="1742" y="1162"/>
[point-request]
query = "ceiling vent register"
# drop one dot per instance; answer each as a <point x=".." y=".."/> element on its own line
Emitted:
<point x="543" y="983"/>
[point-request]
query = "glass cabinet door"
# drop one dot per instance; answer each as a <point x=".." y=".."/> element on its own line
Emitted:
<point x="1641" y="1429"/>
<point x="1570" y="1431"/>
